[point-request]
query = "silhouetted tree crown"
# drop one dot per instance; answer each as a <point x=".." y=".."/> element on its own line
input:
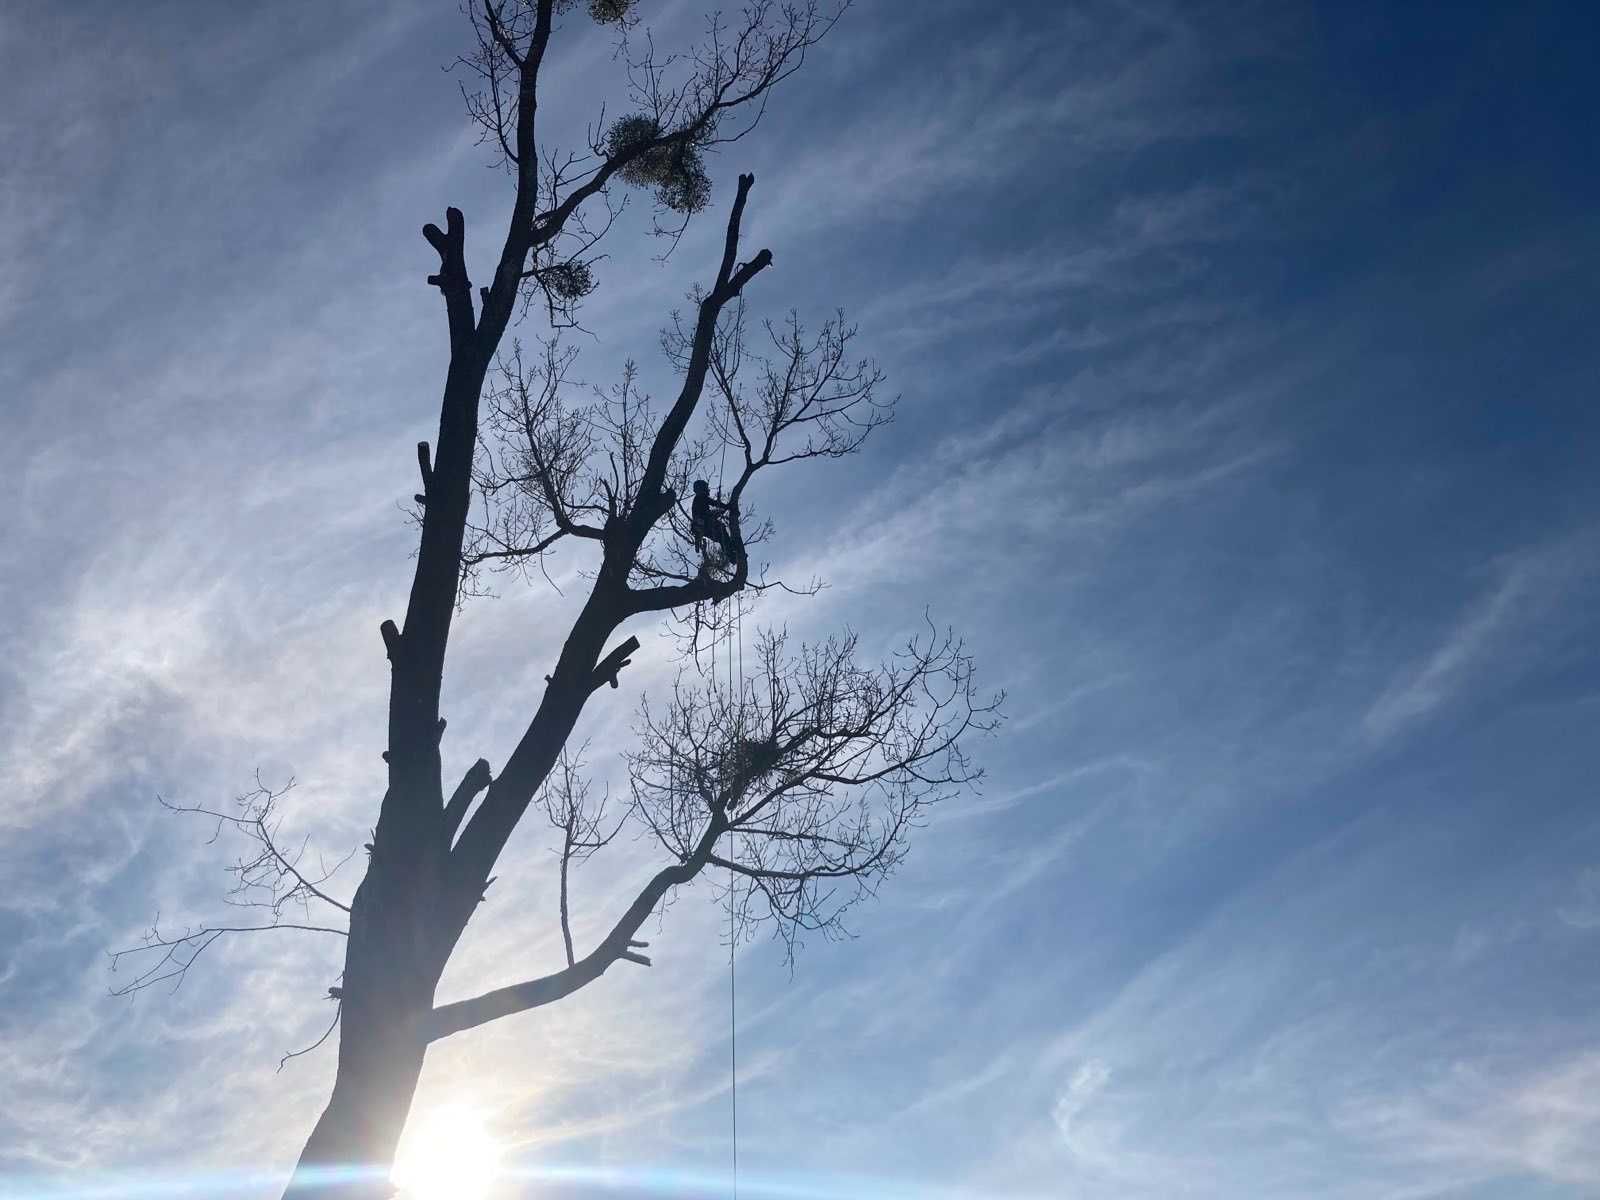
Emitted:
<point x="800" y="779"/>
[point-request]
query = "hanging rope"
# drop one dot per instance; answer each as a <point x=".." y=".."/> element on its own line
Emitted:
<point x="733" y="1025"/>
<point x="733" y="1040"/>
<point x="738" y="736"/>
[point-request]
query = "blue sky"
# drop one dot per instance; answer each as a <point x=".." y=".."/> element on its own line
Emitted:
<point x="1247" y="431"/>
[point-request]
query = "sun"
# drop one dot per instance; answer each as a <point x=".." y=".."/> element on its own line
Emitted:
<point x="450" y="1157"/>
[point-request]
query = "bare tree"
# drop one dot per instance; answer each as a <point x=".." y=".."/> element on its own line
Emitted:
<point x="803" y="780"/>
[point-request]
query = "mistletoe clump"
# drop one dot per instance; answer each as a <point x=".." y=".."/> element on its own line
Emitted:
<point x="568" y="281"/>
<point x="675" y="169"/>
<point x="606" y="12"/>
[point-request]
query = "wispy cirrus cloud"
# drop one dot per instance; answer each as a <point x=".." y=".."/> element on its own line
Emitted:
<point x="1528" y="609"/>
<point x="1226" y="921"/>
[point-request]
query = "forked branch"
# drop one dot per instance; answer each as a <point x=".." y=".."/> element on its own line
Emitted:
<point x="810" y="777"/>
<point x="583" y="825"/>
<point x="609" y="602"/>
<point x="819" y="766"/>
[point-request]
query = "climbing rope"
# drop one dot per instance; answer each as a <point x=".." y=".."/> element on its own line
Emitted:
<point x="733" y="1040"/>
<point x="733" y="1014"/>
<point x="733" y="994"/>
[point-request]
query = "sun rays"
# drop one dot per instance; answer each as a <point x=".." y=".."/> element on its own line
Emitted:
<point x="451" y="1156"/>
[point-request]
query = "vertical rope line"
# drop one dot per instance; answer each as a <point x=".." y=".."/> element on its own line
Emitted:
<point x="733" y="934"/>
<point x="733" y="1013"/>
<point x="733" y="1005"/>
<point x="733" y="1039"/>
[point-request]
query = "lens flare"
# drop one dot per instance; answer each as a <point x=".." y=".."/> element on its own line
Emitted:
<point x="461" y="1135"/>
<point x="450" y="1156"/>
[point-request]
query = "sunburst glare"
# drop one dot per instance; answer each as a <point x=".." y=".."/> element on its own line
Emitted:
<point x="451" y="1156"/>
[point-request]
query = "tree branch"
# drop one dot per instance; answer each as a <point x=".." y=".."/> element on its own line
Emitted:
<point x="701" y="588"/>
<point x="729" y="284"/>
<point x="820" y="767"/>
<point x="534" y="993"/>
<point x="606" y="671"/>
<point x="178" y="954"/>
<point x="452" y="277"/>
<point x="474" y="781"/>
<point x="609" y="604"/>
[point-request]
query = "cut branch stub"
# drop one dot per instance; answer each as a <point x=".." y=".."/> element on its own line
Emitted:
<point x="452" y="279"/>
<point x="606" y="671"/>
<point x="745" y="273"/>
<point x="476" y="779"/>
<point x="391" y="639"/>
<point x="424" y="465"/>
<point x="731" y="242"/>
<point x="451" y="247"/>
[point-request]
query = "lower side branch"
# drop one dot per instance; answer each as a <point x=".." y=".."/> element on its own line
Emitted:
<point x="618" y="944"/>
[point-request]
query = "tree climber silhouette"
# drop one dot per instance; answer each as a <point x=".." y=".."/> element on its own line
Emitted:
<point x="704" y="522"/>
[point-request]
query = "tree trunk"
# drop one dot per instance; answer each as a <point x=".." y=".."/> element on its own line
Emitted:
<point x="395" y="955"/>
<point x="351" y="1151"/>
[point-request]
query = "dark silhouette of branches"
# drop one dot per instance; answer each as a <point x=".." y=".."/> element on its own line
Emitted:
<point x="267" y="878"/>
<point x="549" y="468"/>
<point x="684" y="106"/>
<point x="819" y="767"/>
<point x="581" y="821"/>
<point x="803" y="781"/>
<point x="326" y="1034"/>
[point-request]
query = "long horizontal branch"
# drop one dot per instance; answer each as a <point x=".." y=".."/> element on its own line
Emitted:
<point x="659" y="599"/>
<point x="514" y="553"/>
<point x="161" y="943"/>
<point x="535" y="993"/>
<point x="197" y="942"/>
<point x="844" y="872"/>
